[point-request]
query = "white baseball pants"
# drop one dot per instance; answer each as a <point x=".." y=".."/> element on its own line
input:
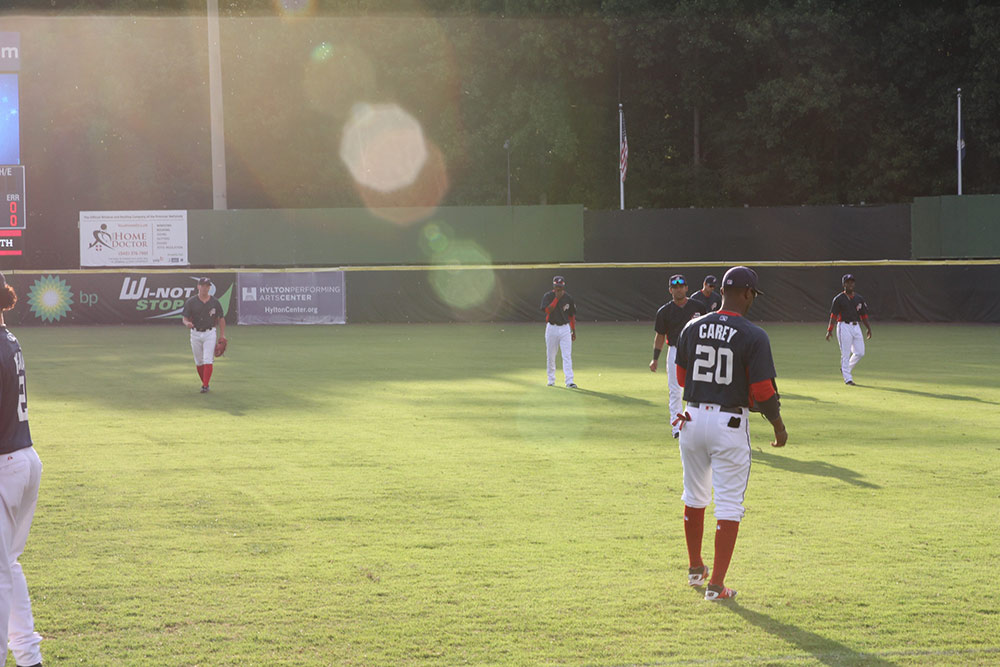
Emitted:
<point x="559" y="338"/>
<point x="852" y="347"/>
<point x="20" y="474"/>
<point x="675" y="400"/>
<point x="203" y="346"/>
<point x="716" y="456"/>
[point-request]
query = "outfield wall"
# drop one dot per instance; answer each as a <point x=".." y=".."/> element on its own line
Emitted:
<point x="901" y="291"/>
<point x="956" y="226"/>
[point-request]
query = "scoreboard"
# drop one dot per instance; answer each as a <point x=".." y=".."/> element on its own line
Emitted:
<point x="13" y="213"/>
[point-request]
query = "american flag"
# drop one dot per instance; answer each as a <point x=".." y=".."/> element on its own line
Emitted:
<point x="623" y="145"/>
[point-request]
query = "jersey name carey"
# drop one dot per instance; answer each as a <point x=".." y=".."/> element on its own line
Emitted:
<point x="720" y="332"/>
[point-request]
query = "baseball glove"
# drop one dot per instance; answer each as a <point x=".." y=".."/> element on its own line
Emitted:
<point x="220" y="346"/>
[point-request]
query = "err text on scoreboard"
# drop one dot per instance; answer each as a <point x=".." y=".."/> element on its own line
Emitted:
<point x="13" y="217"/>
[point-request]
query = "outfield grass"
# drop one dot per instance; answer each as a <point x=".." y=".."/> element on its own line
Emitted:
<point x="415" y="494"/>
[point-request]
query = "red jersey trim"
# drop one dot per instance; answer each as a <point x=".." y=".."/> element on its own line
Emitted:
<point x="761" y="391"/>
<point x="681" y="375"/>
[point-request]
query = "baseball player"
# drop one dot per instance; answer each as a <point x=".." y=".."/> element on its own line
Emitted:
<point x="560" y="330"/>
<point x="202" y="313"/>
<point x="20" y="473"/>
<point x="724" y="364"/>
<point x="707" y="295"/>
<point x="847" y="310"/>
<point x="670" y="319"/>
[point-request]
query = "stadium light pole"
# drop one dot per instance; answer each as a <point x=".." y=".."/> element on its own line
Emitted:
<point x="218" y="134"/>
<point x="506" y="146"/>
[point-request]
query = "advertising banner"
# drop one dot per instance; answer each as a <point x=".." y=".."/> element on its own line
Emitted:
<point x="133" y="238"/>
<point x="109" y="298"/>
<point x="316" y="297"/>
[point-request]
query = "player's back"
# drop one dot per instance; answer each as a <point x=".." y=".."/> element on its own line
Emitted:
<point x="14" y="431"/>
<point x="723" y="354"/>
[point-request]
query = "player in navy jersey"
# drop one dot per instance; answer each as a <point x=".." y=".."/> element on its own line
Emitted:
<point x="560" y="330"/>
<point x="202" y="314"/>
<point x="725" y="365"/>
<point x="707" y="295"/>
<point x="20" y="473"/>
<point x="848" y="311"/>
<point x="670" y="319"/>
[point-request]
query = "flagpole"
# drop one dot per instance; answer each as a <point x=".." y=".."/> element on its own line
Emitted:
<point x="621" y="179"/>
<point x="958" y="142"/>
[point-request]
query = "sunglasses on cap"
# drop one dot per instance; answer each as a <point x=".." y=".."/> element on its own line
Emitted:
<point x="676" y="282"/>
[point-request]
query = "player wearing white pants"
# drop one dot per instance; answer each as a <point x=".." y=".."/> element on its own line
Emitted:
<point x="559" y="338"/>
<point x="725" y="365"/>
<point x="848" y="312"/>
<point x="716" y="454"/>
<point x="670" y="319"/>
<point x="20" y="475"/>
<point x="202" y="314"/>
<point x="852" y="348"/>
<point x="560" y="330"/>
<point x="203" y="345"/>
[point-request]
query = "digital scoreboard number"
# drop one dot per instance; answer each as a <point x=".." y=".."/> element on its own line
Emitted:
<point x="12" y="197"/>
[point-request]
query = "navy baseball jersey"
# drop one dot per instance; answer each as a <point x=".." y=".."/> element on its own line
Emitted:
<point x="564" y="310"/>
<point x="722" y="354"/>
<point x="14" y="431"/>
<point x="204" y="314"/>
<point x="671" y="318"/>
<point x="711" y="302"/>
<point x="848" y="308"/>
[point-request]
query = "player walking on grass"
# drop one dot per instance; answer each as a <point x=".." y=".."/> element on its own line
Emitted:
<point x="847" y="311"/>
<point x="20" y="474"/>
<point x="724" y="364"/>
<point x="670" y="319"/>
<point x="560" y="330"/>
<point x="202" y="313"/>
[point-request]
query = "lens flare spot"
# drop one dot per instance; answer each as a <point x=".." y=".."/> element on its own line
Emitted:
<point x="336" y="77"/>
<point x="291" y="8"/>
<point x="435" y="238"/>
<point x="383" y="147"/>
<point x="463" y="288"/>
<point x="323" y="51"/>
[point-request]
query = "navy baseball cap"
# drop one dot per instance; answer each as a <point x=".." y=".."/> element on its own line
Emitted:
<point x="847" y="276"/>
<point x="677" y="279"/>
<point x="204" y="281"/>
<point x="709" y="280"/>
<point x="559" y="281"/>
<point x="741" y="276"/>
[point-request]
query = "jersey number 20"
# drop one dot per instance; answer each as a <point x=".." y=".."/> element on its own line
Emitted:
<point x="713" y="365"/>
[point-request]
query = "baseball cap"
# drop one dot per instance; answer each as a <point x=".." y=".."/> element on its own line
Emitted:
<point x="559" y="281"/>
<point x="741" y="276"/>
<point x="204" y="281"/>
<point x="677" y="279"/>
<point x="847" y="276"/>
<point x="709" y="280"/>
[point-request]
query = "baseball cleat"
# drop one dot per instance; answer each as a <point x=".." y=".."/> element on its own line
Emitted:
<point x="716" y="593"/>
<point x="851" y="382"/>
<point x="204" y="389"/>
<point x="551" y="384"/>
<point x="571" y="386"/>
<point x="697" y="575"/>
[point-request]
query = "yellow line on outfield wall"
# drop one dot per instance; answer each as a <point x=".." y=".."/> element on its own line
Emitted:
<point x="508" y="267"/>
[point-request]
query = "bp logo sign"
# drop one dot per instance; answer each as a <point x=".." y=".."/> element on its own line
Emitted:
<point x="50" y="298"/>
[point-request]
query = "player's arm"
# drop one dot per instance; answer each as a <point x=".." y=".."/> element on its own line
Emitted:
<point x="765" y="397"/>
<point x="549" y="307"/>
<point x="572" y="327"/>
<point x="829" y="328"/>
<point x="222" y="324"/>
<point x="658" y="341"/>
<point x="834" y="316"/>
<point x="186" y="316"/>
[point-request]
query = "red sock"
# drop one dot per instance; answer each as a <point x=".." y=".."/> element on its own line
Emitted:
<point x="201" y="372"/>
<point x="725" y="542"/>
<point x="694" y="527"/>
<point x="207" y="373"/>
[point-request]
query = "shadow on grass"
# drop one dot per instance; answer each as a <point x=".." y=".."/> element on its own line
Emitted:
<point x="818" y="468"/>
<point x="826" y="651"/>
<point x="929" y="394"/>
<point x="616" y="398"/>
<point x="801" y="397"/>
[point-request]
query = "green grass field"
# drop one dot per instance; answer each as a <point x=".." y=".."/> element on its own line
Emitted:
<point x="415" y="494"/>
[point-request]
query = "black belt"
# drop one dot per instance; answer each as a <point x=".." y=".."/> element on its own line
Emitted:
<point x="204" y="330"/>
<point x="732" y="411"/>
